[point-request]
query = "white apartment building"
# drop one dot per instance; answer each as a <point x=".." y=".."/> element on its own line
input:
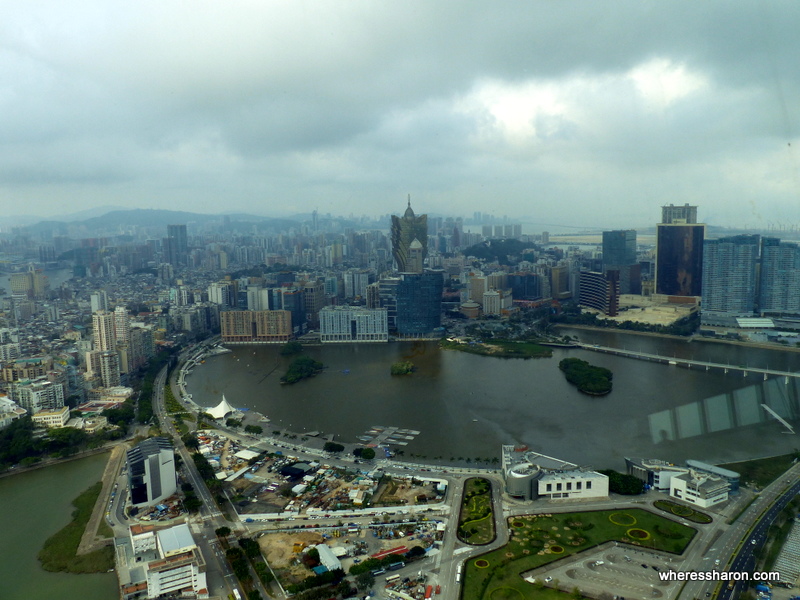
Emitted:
<point x="353" y="324"/>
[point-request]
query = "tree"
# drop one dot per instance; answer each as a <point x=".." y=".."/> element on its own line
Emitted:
<point x="254" y="429"/>
<point x="368" y="453"/>
<point x="290" y="348"/>
<point x="621" y="483"/>
<point x="365" y="580"/>
<point x="222" y="531"/>
<point x="332" y="447"/>
<point x="233" y="423"/>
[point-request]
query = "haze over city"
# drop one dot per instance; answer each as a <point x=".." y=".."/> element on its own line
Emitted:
<point x="584" y="114"/>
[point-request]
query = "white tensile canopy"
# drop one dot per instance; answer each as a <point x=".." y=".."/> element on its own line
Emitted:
<point x="221" y="410"/>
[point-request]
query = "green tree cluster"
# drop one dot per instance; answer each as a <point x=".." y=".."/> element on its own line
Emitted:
<point x="301" y="367"/>
<point x="588" y="378"/>
<point x="622" y="483"/>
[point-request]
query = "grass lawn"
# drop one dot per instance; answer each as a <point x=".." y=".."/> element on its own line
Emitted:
<point x="762" y="472"/>
<point x="682" y="511"/>
<point x="59" y="552"/>
<point x="535" y="540"/>
<point x="476" y="520"/>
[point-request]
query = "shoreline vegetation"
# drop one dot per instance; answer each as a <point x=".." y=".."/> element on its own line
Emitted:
<point x="60" y="551"/>
<point x="499" y="348"/>
<point x="589" y="379"/>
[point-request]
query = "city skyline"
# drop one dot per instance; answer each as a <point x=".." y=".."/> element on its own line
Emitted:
<point x="267" y="109"/>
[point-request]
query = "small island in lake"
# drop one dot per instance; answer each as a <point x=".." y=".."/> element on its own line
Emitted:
<point x="405" y="367"/>
<point x="302" y="367"/>
<point x="592" y="380"/>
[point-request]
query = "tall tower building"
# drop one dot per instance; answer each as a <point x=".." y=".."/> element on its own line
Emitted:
<point x="419" y="303"/>
<point x="619" y="254"/>
<point x="122" y="325"/>
<point x="679" y="252"/>
<point x="99" y="301"/>
<point x="405" y="230"/>
<point x="729" y="278"/>
<point x="779" y="278"/>
<point x="671" y="214"/>
<point x="176" y="245"/>
<point x="103" y="329"/>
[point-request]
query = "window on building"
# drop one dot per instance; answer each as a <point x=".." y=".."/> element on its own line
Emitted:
<point x="558" y="487"/>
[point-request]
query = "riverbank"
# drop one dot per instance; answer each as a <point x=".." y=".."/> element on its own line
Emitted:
<point x="499" y="348"/>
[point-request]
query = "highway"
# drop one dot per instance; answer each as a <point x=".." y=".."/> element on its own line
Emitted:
<point x="734" y="546"/>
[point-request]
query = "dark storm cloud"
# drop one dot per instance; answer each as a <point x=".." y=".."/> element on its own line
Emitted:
<point x="521" y="108"/>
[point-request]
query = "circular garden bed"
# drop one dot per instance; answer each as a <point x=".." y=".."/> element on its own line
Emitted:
<point x="623" y="519"/>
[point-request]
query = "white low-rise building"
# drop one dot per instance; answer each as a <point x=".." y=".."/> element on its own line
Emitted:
<point x="700" y="489"/>
<point x="161" y="563"/>
<point x="530" y="475"/>
<point x="52" y="418"/>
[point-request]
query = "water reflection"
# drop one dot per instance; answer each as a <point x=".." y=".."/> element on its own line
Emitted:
<point x="736" y="409"/>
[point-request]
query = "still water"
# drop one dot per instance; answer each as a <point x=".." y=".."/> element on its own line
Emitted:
<point x="35" y="505"/>
<point x="465" y="406"/>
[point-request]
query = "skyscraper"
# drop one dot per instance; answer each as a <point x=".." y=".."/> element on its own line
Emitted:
<point x="419" y="303"/>
<point x="103" y="329"/>
<point x="780" y="277"/>
<point x="405" y="230"/>
<point x="619" y="254"/>
<point x="679" y="252"/>
<point x="729" y="278"/>
<point x="176" y="245"/>
<point x="671" y="214"/>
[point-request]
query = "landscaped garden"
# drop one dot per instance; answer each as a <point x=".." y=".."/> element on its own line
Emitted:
<point x="535" y="540"/>
<point x="476" y="520"/>
<point x="682" y="511"/>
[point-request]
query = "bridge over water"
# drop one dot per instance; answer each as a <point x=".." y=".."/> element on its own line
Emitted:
<point x="689" y="364"/>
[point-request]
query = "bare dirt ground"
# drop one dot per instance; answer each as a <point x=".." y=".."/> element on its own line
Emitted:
<point x="278" y="548"/>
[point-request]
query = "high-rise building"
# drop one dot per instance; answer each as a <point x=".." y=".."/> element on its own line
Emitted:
<point x="151" y="472"/>
<point x="419" y="304"/>
<point x="103" y="329"/>
<point x="675" y="215"/>
<point x="99" y="301"/>
<point x="619" y="254"/>
<point x="619" y="248"/>
<point x="37" y="394"/>
<point x="122" y="325"/>
<point x="679" y="252"/>
<point x="248" y="326"/>
<point x="600" y="291"/>
<point x="314" y="295"/>
<point x="176" y="245"/>
<point x="404" y="231"/>
<point x="729" y="278"/>
<point x="779" y="277"/>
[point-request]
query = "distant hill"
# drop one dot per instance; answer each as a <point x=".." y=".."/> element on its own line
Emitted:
<point x="116" y="221"/>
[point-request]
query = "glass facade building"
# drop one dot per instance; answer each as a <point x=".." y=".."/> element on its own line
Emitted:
<point x="419" y="303"/>
<point x="729" y="276"/>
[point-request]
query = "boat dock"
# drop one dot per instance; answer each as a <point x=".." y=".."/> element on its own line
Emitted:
<point x="382" y="436"/>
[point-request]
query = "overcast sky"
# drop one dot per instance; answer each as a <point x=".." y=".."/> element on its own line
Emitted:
<point x="585" y="113"/>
